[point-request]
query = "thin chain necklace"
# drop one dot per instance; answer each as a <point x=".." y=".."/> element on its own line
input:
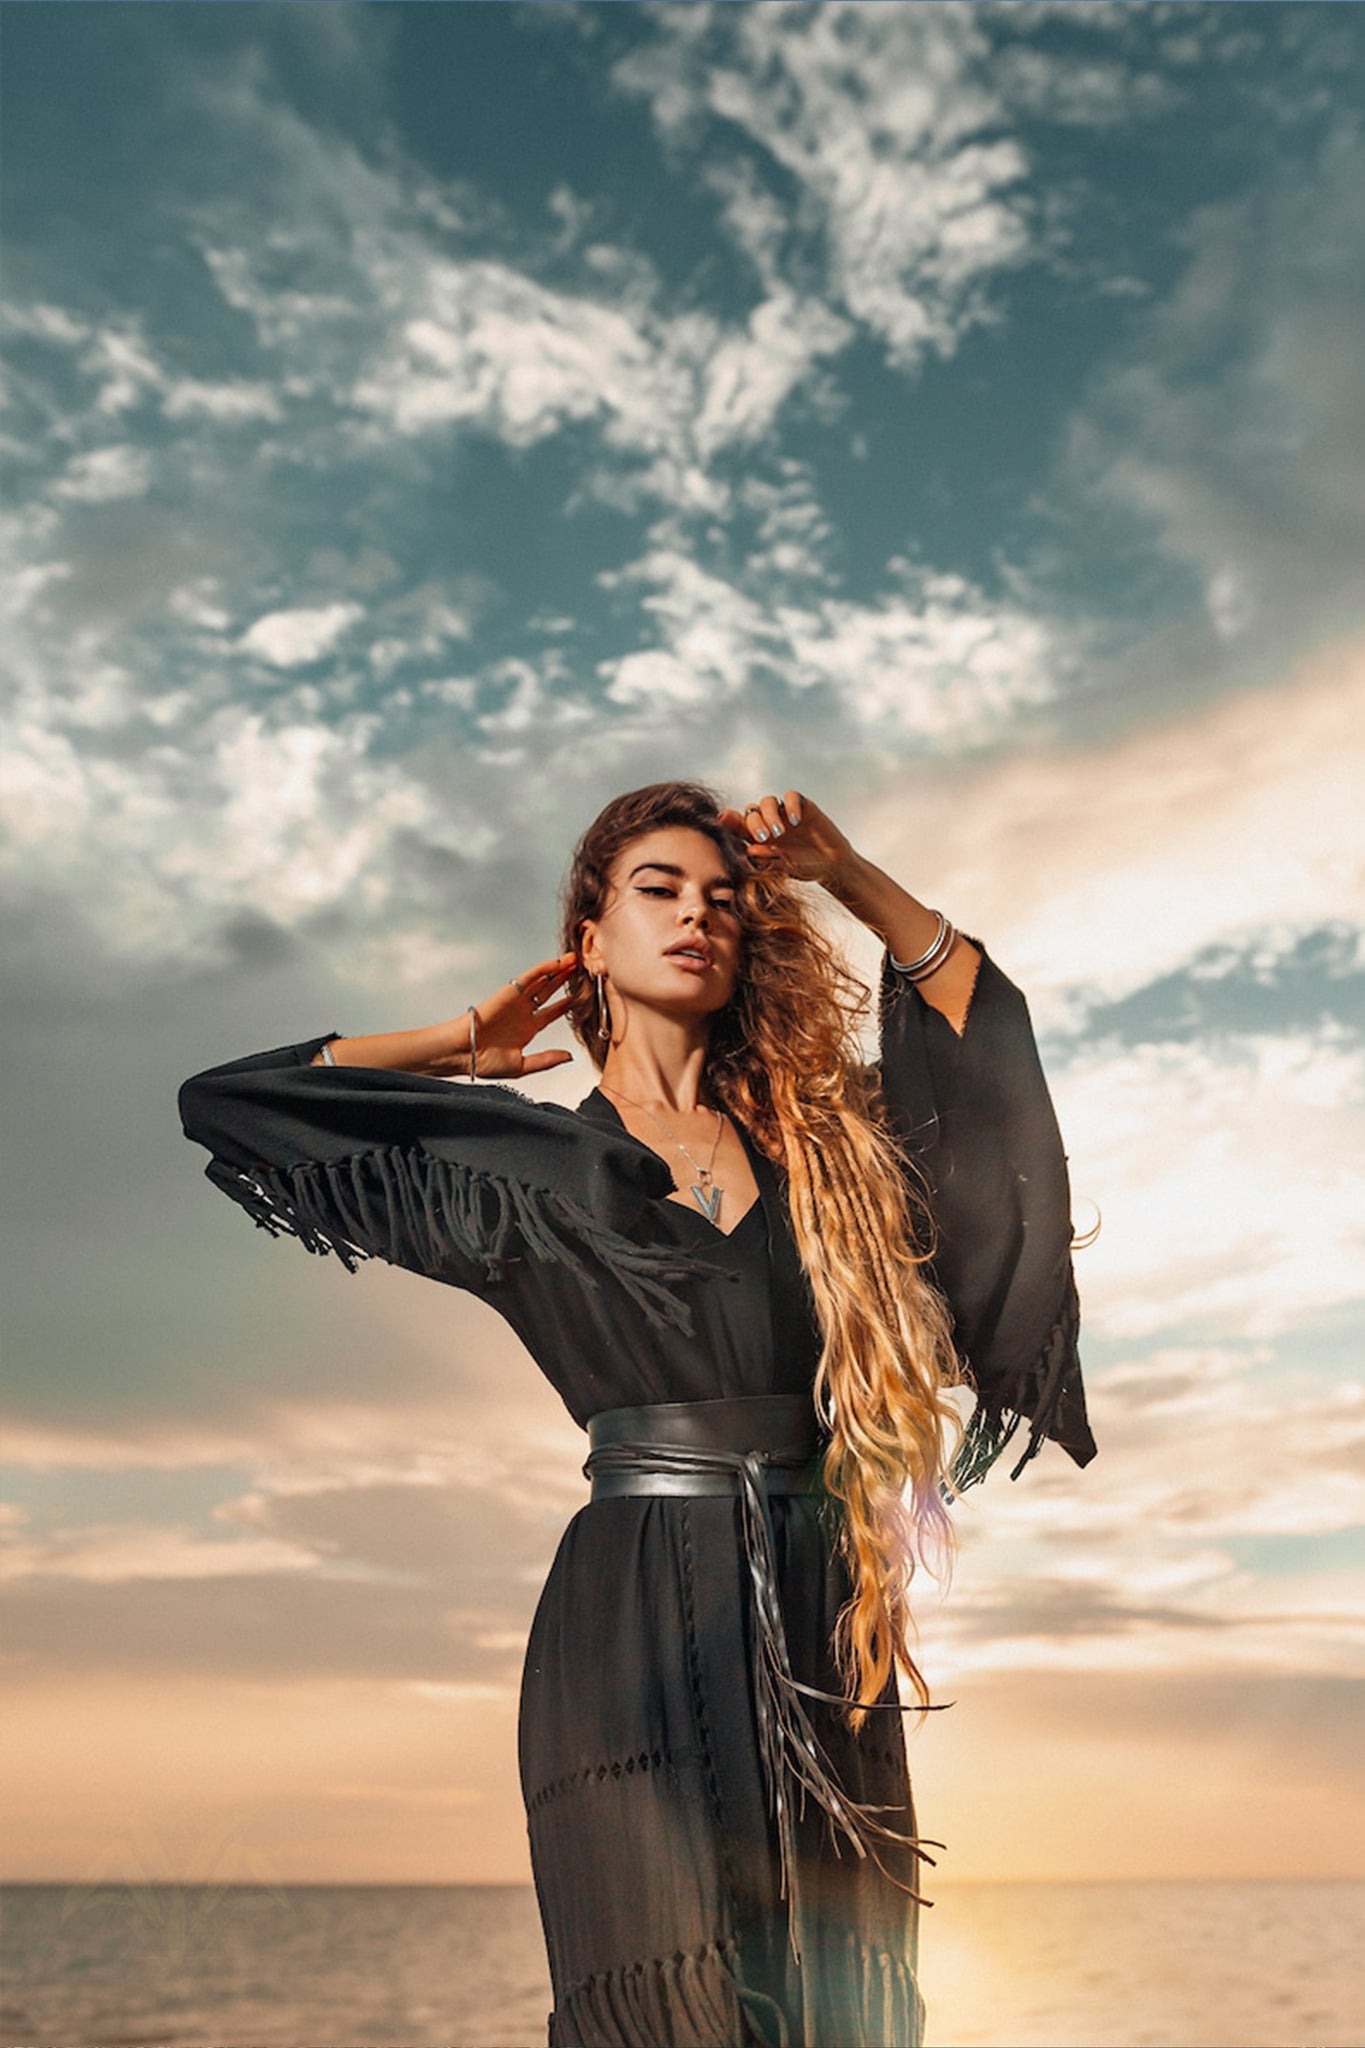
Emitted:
<point x="706" y="1193"/>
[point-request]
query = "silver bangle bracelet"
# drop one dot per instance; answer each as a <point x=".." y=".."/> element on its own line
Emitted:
<point x="932" y="966"/>
<point x="912" y="967"/>
<point x="473" y="1040"/>
<point x="930" y="962"/>
<point x="328" y="1057"/>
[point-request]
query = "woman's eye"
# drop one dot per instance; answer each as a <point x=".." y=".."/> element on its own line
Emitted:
<point x="656" y="889"/>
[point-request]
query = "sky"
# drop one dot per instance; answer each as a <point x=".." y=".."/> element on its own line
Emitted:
<point x="422" y="422"/>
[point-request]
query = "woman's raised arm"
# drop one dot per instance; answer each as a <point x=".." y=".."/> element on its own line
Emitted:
<point x="503" y="1026"/>
<point x="795" y="834"/>
<point x="971" y="1109"/>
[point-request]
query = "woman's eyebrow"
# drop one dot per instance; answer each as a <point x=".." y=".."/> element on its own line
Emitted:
<point x="663" y="867"/>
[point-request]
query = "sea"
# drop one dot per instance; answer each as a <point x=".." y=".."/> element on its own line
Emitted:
<point x="1173" y="1965"/>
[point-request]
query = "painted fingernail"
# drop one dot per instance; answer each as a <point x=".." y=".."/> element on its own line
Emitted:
<point x="762" y="832"/>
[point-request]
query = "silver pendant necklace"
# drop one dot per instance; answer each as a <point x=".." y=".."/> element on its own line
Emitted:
<point x="706" y="1192"/>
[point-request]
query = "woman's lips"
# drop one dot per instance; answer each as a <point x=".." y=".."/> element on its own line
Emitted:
<point x="694" y="962"/>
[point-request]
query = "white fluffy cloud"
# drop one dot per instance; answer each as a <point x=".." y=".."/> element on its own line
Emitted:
<point x="44" y="322"/>
<point x="935" y="661"/>
<point x="940" y="663"/>
<point x="120" y="358"/>
<point x="237" y="400"/>
<point x="282" y="815"/>
<point x="100" y="476"/>
<point x="884" y="120"/>
<point x="479" y="343"/>
<point x="293" y="639"/>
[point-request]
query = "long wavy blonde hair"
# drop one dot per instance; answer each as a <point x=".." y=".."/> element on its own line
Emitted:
<point x="784" y="1060"/>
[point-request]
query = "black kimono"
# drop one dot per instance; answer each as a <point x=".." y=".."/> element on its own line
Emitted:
<point x="651" y="1829"/>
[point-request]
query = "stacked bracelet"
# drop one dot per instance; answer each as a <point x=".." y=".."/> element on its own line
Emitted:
<point x="944" y="939"/>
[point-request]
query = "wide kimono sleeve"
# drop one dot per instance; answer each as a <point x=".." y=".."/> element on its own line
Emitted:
<point x="461" y="1182"/>
<point x="974" y="1116"/>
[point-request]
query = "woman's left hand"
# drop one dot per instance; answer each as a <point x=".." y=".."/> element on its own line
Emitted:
<point x="791" y="833"/>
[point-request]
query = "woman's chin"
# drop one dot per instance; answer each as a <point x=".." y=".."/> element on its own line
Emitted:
<point x="698" y="997"/>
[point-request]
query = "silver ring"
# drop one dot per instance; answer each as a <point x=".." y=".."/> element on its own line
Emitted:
<point x="517" y="986"/>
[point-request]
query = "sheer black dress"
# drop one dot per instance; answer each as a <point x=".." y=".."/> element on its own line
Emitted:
<point x="652" y="1838"/>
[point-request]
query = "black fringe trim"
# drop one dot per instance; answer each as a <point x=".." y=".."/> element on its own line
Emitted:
<point x="856" y="1996"/>
<point x="692" y="1996"/>
<point x="1038" y="1402"/>
<point x="876" y="1986"/>
<point x="406" y="1206"/>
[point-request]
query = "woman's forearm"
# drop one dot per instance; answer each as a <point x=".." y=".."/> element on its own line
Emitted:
<point x="437" y="1049"/>
<point x="907" y="927"/>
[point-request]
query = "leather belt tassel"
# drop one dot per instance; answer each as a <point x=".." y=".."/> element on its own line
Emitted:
<point x="795" y="1767"/>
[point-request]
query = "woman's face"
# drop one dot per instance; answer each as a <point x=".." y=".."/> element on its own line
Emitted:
<point x="669" y="934"/>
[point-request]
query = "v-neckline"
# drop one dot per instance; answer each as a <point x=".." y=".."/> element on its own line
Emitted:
<point x="689" y="1209"/>
<point x="713" y="1229"/>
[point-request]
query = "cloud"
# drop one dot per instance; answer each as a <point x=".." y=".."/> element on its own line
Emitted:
<point x="481" y="344"/>
<point x="41" y="321"/>
<point x="935" y="661"/>
<point x="1092" y="868"/>
<point x="383" y="324"/>
<point x="100" y="476"/>
<point x="940" y="663"/>
<point x="120" y="357"/>
<point x="249" y="809"/>
<point x="1229" y="429"/>
<point x="395" y="1581"/>
<point x="112" y="1556"/>
<point x="1185" y="1565"/>
<point x="1222" y="1157"/>
<point x="377" y="320"/>
<point x="884" y="121"/>
<point x="1225" y="1173"/>
<point x="282" y="315"/>
<point x="1088" y="91"/>
<point x="294" y="639"/>
<point x="228" y="403"/>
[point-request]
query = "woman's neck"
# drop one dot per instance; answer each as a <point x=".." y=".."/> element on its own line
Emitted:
<point x="659" y="1061"/>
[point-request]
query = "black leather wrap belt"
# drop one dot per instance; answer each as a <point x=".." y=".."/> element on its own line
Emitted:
<point x="749" y="1448"/>
<point x="686" y="1448"/>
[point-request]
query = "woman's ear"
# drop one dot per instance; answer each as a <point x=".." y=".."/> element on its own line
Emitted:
<point x="589" y="952"/>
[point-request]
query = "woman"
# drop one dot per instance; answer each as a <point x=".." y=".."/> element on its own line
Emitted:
<point x="721" y="1261"/>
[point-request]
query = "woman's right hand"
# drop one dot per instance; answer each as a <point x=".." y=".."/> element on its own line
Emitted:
<point x="512" y="1016"/>
<point x="507" y="1022"/>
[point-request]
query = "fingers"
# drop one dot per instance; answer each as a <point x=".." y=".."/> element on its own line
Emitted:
<point x="552" y="1012"/>
<point x="538" y="981"/>
<point x="770" y="817"/>
<point x="764" y="819"/>
<point x="541" y="1062"/>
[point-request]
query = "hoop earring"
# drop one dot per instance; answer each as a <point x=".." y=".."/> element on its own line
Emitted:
<point x="603" y="1013"/>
